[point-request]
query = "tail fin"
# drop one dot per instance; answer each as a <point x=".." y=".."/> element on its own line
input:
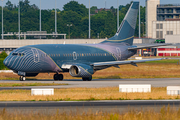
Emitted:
<point x="125" y="33"/>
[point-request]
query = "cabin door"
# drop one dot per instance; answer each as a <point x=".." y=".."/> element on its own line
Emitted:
<point x="35" y="54"/>
<point x="74" y="56"/>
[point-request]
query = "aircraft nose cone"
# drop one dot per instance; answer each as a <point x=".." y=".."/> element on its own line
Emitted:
<point x="5" y="62"/>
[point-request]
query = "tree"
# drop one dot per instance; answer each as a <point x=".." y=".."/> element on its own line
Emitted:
<point x="76" y="7"/>
<point x="9" y="5"/>
<point x="93" y="9"/>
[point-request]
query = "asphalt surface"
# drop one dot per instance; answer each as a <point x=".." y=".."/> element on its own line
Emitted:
<point x="157" y="82"/>
<point x="93" y="106"/>
<point x="113" y="103"/>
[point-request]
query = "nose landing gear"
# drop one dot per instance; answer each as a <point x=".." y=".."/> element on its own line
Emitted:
<point x="22" y="78"/>
<point x="58" y="77"/>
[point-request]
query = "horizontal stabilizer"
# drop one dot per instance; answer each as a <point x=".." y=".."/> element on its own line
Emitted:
<point x="149" y="46"/>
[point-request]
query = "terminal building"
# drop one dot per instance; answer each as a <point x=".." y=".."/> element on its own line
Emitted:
<point x="162" y="19"/>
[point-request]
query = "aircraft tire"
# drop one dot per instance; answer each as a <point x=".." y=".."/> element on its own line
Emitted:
<point x="87" y="78"/>
<point x="56" y="77"/>
<point x="84" y="79"/>
<point x="22" y="78"/>
<point x="60" y="77"/>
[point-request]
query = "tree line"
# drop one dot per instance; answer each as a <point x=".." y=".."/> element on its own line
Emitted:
<point x="103" y="23"/>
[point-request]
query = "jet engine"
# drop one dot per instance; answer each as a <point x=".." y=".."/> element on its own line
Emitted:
<point x="81" y="70"/>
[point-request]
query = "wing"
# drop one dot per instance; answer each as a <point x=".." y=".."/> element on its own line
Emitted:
<point x="115" y="63"/>
<point x="149" y="46"/>
<point x="102" y="65"/>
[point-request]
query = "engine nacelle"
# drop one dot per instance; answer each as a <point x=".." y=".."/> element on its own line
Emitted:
<point x="81" y="70"/>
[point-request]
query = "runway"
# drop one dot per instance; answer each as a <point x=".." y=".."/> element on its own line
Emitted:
<point x="155" y="82"/>
<point x="94" y="106"/>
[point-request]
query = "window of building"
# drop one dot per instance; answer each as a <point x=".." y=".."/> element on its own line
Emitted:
<point x="159" y="34"/>
<point x="159" y="26"/>
<point x="169" y="32"/>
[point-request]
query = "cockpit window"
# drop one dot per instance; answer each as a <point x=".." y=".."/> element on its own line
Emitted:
<point x="15" y="54"/>
<point x="18" y="54"/>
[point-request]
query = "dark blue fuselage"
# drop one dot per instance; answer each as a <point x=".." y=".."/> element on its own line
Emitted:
<point x="50" y="58"/>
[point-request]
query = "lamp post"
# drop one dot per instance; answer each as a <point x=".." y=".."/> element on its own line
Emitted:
<point x="117" y="14"/>
<point x="40" y="19"/>
<point x="69" y="25"/>
<point x="2" y="21"/>
<point x="55" y="19"/>
<point x="89" y="21"/>
<point x="139" y="21"/>
<point x="19" y="18"/>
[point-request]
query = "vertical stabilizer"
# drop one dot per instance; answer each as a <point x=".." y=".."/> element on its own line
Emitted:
<point x="125" y="33"/>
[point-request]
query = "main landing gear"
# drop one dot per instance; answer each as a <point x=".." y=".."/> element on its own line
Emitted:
<point x="87" y="78"/>
<point x="22" y="78"/>
<point x="58" y="77"/>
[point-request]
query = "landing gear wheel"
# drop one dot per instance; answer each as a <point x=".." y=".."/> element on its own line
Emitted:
<point x="60" y="77"/>
<point x="87" y="78"/>
<point x="22" y="78"/>
<point x="84" y="79"/>
<point x="56" y="77"/>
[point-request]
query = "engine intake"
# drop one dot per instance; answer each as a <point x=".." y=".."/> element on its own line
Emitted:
<point x="81" y="70"/>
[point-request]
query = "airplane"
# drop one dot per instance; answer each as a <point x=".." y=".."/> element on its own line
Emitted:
<point x="80" y="60"/>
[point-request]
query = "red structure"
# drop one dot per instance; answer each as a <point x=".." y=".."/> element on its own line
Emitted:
<point x="168" y="51"/>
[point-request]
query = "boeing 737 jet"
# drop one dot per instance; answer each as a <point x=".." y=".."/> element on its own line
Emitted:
<point x="80" y="60"/>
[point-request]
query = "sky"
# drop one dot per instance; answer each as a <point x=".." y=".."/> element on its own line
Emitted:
<point x="50" y="4"/>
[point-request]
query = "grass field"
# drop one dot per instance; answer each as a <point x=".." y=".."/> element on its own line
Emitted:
<point x="85" y="94"/>
<point x="155" y="69"/>
<point x="164" y="114"/>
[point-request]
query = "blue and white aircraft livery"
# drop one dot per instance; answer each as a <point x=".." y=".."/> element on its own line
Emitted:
<point x="80" y="60"/>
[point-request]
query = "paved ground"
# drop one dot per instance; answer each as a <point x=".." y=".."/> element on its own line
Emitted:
<point x="93" y="106"/>
<point x="157" y="82"/>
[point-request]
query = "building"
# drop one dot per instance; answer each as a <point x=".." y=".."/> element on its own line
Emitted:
<point x="162" y="19"/>
<point x="151" y="14"/>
